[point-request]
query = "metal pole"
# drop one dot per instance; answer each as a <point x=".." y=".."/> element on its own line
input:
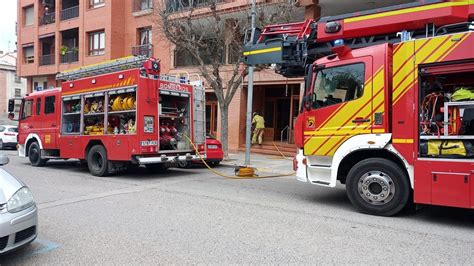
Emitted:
<point x="248" y="132"/>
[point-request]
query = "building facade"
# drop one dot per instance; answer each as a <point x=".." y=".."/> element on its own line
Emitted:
<point x="11" y="85"/>
<point x="56" y="35"/>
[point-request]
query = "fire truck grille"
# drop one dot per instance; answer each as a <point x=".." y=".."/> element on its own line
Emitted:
<point x="3" y="242"/>
<point x="25" y="234"/>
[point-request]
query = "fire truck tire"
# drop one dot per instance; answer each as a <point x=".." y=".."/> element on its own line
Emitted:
<point x="97" y="161"/>
<point x="34" y="155"/>
<point x="378" y="187"/>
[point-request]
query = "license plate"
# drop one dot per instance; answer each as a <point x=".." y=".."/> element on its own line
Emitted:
<point x="149" y="143"/>
<point x="212" y="147"/>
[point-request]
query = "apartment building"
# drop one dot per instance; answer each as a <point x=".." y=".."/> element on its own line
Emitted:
<point x="56" y="35"/>
<point x="11" y="85"/>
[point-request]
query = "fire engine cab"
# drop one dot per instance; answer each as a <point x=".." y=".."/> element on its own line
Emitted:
<point x="388" y="108"/>
<point x="112" y="115"/>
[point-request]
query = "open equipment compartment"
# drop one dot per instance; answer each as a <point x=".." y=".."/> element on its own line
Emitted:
<point x="71" y="115"/>
<point x="174" y="120"/>
<point x="446" y="111"/>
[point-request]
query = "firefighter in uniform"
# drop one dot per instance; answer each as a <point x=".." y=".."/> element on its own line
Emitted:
<point x="259" y="128"/>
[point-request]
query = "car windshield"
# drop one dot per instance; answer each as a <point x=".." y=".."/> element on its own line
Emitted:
<point x="13" y="129"/>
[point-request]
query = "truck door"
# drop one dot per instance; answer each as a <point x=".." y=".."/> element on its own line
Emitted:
<point x="50" y="125"/>
<point x="26" y="122"/>
<point x="342" y="105"/>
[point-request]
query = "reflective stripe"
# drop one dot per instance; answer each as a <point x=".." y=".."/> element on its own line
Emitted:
<point x="402" y="141"/>
<point x="262" y="51"/>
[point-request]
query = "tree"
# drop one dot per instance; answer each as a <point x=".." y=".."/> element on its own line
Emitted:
<point x="212" y="40"/>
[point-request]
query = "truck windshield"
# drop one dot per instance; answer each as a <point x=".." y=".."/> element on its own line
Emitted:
<point x="338" y="84"/>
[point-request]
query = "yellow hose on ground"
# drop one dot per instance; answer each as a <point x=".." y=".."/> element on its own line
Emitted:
<point x="241" y="173"/>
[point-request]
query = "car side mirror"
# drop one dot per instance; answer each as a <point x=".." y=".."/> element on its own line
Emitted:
<point x="11" y="105"/>
<point x="4" y="160"/>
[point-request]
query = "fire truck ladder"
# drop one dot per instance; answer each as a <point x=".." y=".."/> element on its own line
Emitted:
<point x="103" y="68"/>
<point x="292" y="46"/>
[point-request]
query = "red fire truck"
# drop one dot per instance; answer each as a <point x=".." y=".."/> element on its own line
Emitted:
<point x="112" y="115"/>
<point x="388" y="108"/>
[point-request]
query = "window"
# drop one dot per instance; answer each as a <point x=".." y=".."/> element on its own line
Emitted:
<point x="17" y="93"/>
<point x="49" y="103"/>
<point x="338" y="84"/>
<point x="145" y="35"/>
<point x="97" y="43"/>
<point x="27" y="109"/>
<point x="139" y="5"/>
<point x="28" y="16"/>
<point x="17" y="79"/>
<point x="29" y="54"/>
<point x="38" y="106"/>
<point x="96" y="3"/>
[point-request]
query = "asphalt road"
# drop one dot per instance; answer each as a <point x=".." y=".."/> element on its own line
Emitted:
<point x="192" y="216"/>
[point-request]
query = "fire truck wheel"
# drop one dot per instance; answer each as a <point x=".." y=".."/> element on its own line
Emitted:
<point x="34" y="154"/>
<point x="97" y="161"/>
<point x="378" y="187"/>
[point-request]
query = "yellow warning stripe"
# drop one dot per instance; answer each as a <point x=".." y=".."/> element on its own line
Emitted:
<point x="405" y="11"/>
<point x="262" y="51"/>
<point x="403" y="141"/>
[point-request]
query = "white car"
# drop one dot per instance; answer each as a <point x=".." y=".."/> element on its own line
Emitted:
<point x="8" y="136"/>
<point x="18" y="212"/>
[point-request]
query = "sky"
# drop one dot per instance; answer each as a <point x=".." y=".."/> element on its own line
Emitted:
<point x="7" y="24"/>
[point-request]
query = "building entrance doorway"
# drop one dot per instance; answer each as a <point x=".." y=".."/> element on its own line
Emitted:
<point x="279" y="106"/>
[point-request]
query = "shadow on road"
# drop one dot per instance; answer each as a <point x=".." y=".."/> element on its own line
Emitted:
<point x="135" y="172"/>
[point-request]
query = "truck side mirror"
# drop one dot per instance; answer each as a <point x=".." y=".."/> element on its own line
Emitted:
<point x="307" y="102"/>
<point x="4" y="160"/>
<point x="11" y="105"/>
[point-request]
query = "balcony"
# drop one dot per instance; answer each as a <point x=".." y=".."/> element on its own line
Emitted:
<point x="70" y="13"/>
<point x="144" y="50"/>
<point x="46" y="60"/>
<point x="69" y="57"/>
<point x="47" y="19"/>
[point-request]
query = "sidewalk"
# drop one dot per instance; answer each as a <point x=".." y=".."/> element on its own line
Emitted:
<point x="266" y="163"/>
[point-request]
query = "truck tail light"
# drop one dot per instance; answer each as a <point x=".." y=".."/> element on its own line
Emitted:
<point x="200" y="147"/>
<point x="295" y="164"/>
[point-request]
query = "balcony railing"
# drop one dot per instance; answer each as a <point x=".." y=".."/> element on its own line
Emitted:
<point x="145" y="49"/>
<point x="70" y="57"/>
<point x="140" y="5"/>
<point x="181" y="5"/>
<point x="69" y="13"/>
<point x="48" y="19"/>
<point x="46" y="60"/>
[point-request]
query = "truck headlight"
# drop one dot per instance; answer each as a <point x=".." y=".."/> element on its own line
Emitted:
<point x="21" y="200"/>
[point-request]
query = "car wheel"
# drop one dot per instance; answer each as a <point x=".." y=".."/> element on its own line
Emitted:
<point x="34" y="154"/>
<point x="378" y="187"/>
<point x="97" y="161"/>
